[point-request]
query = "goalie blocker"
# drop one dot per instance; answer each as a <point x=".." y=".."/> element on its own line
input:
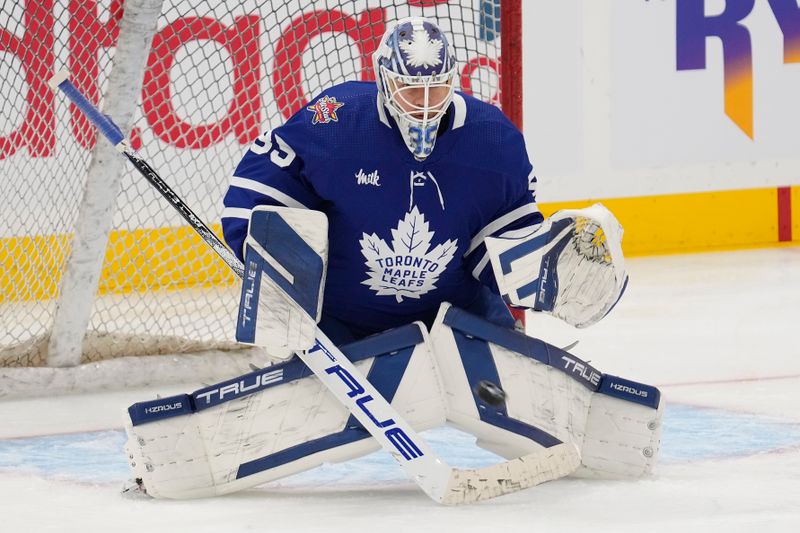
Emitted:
<point x="280" y="420"/>
<point x="281" y="299"/>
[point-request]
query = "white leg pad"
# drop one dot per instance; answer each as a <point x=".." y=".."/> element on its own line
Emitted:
<point x="621" y="438"/>
<point x="551" y="397"/>
<point x="273" y="423"/>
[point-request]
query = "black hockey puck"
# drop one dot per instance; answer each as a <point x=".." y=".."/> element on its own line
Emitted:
<point x="490" y="393"/>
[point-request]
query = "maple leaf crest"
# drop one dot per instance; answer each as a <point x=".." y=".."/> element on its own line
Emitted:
<point x="409" y="268"/>
<point x="422" y="51"/>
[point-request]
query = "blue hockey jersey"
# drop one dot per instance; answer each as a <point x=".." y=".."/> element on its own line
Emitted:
<point x="404" y="235"/>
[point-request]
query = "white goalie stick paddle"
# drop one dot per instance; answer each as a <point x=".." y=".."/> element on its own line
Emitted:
<point x="439" y="481"/>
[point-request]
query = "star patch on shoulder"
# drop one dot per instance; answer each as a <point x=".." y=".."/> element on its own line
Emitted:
<point x="324" y="110"/>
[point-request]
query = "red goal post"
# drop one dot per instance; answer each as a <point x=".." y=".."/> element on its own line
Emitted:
<point x="94" y="266"/>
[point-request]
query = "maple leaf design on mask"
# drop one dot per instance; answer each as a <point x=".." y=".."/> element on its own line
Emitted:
<point x="422" y="51"/>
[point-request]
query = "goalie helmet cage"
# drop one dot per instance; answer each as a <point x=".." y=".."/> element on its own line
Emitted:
<point x="95" y="266"/>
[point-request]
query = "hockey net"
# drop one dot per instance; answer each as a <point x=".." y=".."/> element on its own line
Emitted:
<point x="218" y="73"/>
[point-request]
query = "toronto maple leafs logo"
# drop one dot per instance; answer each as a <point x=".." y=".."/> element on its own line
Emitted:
<point x="409" y="268"/>
<point x="422" y="51"/>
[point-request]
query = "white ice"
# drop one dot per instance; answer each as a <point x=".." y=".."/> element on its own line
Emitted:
<point x="717" y="332"/>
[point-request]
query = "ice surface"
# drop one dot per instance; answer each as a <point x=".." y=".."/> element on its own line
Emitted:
<point x="717" y="332"/>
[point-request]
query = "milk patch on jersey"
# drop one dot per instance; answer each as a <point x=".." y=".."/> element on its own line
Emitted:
<point x="373" y="178"/>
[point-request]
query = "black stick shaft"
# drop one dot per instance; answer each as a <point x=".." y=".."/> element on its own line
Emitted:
<point x="180" y="206"/>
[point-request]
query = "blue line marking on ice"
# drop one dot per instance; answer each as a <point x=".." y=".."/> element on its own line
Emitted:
<point x="96" y="456"/>
<point x="697" y="433"/>
<point x="690" y="434"/>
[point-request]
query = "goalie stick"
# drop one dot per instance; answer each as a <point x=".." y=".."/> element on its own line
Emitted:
<point x="438" y="480"/>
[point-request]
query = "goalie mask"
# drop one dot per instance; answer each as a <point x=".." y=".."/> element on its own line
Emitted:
<point x="415" y="71"/>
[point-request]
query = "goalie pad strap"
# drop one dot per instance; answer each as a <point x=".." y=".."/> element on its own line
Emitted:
<point x="392" y="341"/>
<point x="471" y="326"/>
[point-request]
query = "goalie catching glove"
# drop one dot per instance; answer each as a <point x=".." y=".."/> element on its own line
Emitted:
<point x="571" y="267"/>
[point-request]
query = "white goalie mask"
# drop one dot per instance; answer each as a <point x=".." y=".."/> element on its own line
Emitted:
<point x="415" y="71"/>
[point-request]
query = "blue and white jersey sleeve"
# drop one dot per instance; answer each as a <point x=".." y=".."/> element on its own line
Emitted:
<point x="270" y="173"/>
<point x="519" y="217"/>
